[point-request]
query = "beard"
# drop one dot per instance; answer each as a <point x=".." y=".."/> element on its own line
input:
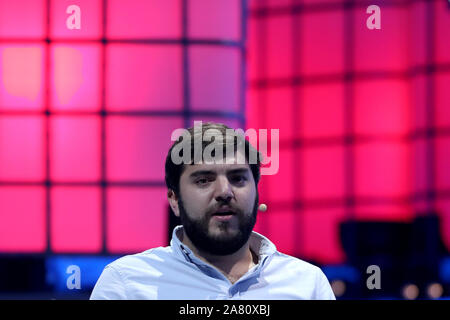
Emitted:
<point x="225" y="244"/>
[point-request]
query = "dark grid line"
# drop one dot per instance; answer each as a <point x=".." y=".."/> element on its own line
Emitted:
<point x="263" y="11"/>
<point x="297" y="159"/>
<point x="243" y="63"/>
<point x="48" y="209"/>
<point x="431" y="68"/>
<point x="430" y="146"/>
<point x="143" y="41"/>
<point x="103" y="115"/>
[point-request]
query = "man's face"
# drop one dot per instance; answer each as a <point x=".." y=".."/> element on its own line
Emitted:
<point x="218" y="206"/>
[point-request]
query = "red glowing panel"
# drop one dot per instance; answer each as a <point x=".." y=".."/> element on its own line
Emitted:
<point x="22" y="148"/>
<point x="254" y="48"/>
<point x="323" y="173"/>
<point x="442" y="103"/>
<point x="254" y="115"/>
<point x="280" y="186"/>
<point x="420" y="156"/>
<point x="322" y="110"/>
<point x="417" y="35"/>
<point x="143" y="77"/>
<point x="22" y="219"/>
<point x="382" y="107"/>
<point x="442" y="25"/>
<point x="144" y="19"/>
<point x="75" y="148"/>
<point x="281" y="225"/>
<point x="76" y="219"/>
<point x="279" y="45"/>
<point x="442" y="163"/>
<point x="443" y="210"/>
<point x="91" y="19"/>
<point x="387" y="210"/>
<point x="322" y="38"/>
<point x="321" y="235"/>
<point x="215" y="78"/>
<point x="75" y="74"/>
<point x="419" y="110"/>
<point x="137" y="147"/>
<point x="137" y="219"/>
<point x="215" y="19"/>
<point x="382" y="49"/>
<point x="280" y="112"/>
<point x="22" y="19"/>
<point x="383" y="169"/>
<point x="21" y="77"/>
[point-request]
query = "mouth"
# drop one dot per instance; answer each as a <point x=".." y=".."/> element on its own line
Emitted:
<point x="224" y="214"/>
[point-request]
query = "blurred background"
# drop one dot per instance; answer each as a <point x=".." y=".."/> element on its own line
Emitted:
<point x="86" y="117"/>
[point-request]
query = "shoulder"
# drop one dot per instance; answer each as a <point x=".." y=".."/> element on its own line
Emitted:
<point x="295" y="264"/>
<point x="145" y="259"/>
<point x="303" y="274"/>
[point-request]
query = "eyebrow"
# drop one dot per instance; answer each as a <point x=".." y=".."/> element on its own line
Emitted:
<point x="210" y="172"/>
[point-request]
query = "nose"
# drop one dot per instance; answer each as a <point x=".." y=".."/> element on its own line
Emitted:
<point x="224" y="191"/>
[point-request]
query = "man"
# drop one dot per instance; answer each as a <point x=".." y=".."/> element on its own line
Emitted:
<point x="214" y="254"/>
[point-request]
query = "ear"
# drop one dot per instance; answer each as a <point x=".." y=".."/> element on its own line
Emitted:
<point x="173" y="202"/>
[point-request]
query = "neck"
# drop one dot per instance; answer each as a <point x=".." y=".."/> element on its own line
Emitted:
<point x="233" y="266"/>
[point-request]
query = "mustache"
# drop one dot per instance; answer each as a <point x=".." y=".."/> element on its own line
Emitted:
<point x="233" y="208"/>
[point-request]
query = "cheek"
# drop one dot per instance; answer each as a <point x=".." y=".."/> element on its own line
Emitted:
<point x="195" y="202"/>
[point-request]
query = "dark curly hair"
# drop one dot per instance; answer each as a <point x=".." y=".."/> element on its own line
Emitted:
<point x="173" y="171"/>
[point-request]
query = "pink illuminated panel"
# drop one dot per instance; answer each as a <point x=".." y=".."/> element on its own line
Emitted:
<point x="137" y="147"/>
<point x="22" y="219"/>
<point x="75" y="148"/>
<point x="322" y="110"/>
<point x="22" y="19"/>
<point x="442" y="163"/>
<point x="384" y="49"/>
<point x="442" y="25"/>
<point x="76" y="219"/>
<point x="418" y="33"/>
<point x="142" y="77"/>
<point x="323" y="172"/>
<point x="278" y="51"/>
<point x="214" y="78"/>
<point x="75" y="74"/>
<point x="322" y="50"/>
<point x="382" y="107"/>
<point x="137" y="219"/>
<point x="280" y="225"/>
<point x="254" y="49"/>
<point x="419" y="110"/>
<point x="321" y="236"/>
<point x="279" y="113"/>
<point x="280" y="186"/>
<point x="215" y="19"/>
<point x="384" y="210"/>
<point x="91" y="21"/>
<point x="22" y="148"/>
<point x="442" y="113"/>
<point x="144" y="19"/>
<point x="21" y="76"/>
<point x="382" y="169"/>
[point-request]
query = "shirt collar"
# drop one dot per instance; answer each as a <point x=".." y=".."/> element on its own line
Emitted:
<point x="258" y="243"/>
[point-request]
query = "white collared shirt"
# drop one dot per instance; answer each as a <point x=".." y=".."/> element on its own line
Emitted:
<point x="175" y="273"/>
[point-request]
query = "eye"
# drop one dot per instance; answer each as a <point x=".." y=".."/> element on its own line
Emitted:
<point x="201" y="181"/>
<point x="240" y="179"/>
